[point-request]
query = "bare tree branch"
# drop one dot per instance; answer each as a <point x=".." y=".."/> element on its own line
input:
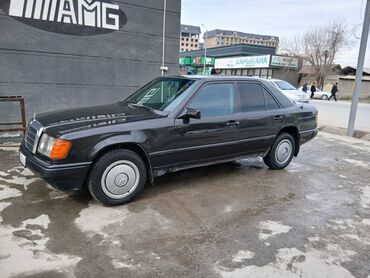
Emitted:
<point x="318" y="47"/>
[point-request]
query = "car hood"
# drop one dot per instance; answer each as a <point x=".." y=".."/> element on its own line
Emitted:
<point x="72" y="120"/>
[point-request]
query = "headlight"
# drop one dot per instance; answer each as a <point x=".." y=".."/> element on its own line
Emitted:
<point x="53" y="148"/>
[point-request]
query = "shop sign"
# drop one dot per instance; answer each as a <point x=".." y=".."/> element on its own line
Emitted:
<point x="74" y="17"/>
<point x="284" y="61"/>
<point x="198" y="61"/>
<point x="243" y="62"/>
<point x="185" y="61"/>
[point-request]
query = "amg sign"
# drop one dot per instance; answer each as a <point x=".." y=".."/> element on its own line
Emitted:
<point x="76" y="17"/>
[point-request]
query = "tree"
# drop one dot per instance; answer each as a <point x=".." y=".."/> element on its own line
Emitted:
<point x="318" y="47"/>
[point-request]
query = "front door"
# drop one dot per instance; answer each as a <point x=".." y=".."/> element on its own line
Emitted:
<point x="202" y="140"/>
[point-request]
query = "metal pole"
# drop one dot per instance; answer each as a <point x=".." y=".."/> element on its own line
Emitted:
<point x="359" y="70"/>
<point x="163" y="34"/>
<point x="205" y="50"/>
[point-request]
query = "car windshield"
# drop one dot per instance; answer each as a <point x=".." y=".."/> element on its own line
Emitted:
<point x="162" y="94"/>
<point x="283" y="85"/>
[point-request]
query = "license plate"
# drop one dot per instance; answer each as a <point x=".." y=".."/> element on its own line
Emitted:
<point x="22" y="158"/>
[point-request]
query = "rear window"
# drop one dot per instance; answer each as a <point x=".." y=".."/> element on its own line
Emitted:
<point x="271" y="103"/>
<point x="251" y="97"/>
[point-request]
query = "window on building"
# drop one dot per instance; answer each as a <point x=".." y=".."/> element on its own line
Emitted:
<point x="251" y="97"/>
<point x="187" y="44"/>
<point x="215" y="100"/>
<point x="263" y="73"/>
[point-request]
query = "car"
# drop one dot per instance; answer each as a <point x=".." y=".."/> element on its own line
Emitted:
<point x="170" y="124"/>
<point x="318" y="94"/>
<point x="290" y="91"/>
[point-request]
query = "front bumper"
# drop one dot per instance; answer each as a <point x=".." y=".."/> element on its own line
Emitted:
<point x="65" y="177"/>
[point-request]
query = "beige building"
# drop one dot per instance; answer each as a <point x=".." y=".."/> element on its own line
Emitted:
<point x="219" y="37"/>
<point x="189" y="38"/>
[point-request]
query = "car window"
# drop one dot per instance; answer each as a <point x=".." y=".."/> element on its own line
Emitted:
<point x="283" y="85"/>
<point x="251" y="97"/>
<point x="270" y="101"/>
<point x="214" y="100"/>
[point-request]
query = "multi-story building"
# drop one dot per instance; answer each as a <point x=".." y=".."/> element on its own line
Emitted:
<point x="219" y="37"/>
<point x="189" y="38"/>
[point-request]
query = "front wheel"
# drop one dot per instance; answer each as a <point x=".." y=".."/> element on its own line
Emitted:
<point x="281" y="152"/>
<point x="117" y="177"/>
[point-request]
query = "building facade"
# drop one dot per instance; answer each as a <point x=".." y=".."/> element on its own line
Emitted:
<point x="189" y="61"/>
<point x="189" y="38"/>
<point x="217" y="37"/>
<point x="263" y="66"/>
<point x="92" y="52"/>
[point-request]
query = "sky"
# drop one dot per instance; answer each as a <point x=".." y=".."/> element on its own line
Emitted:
<point x="282" y="18"/>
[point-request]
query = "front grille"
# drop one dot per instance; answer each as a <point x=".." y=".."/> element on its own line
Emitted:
<point x="33" y="134"/>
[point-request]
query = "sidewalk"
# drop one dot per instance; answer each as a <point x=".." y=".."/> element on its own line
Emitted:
<point x="336" y="114"/>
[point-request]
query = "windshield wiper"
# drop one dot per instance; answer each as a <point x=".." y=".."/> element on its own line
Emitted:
<point x="158" y="112"/>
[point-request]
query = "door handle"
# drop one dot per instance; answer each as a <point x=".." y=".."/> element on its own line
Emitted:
<point x="278" y="117"/>
<point x="232" y="123"/>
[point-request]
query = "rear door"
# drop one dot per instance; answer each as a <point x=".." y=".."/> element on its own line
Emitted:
<point x="259" y="116"/>
<point x="212" y="136"/>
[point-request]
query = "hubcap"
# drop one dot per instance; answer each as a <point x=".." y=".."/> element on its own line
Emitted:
<point x="120" y="179"/>
<point x="283" y="151"/>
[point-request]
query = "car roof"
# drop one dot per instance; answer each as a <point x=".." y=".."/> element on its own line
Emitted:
<point x="285" y="102"/>
<point x="219" y="77"/>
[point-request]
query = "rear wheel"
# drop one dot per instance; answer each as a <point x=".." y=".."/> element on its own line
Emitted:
<point x="117" y="177"/>
<point x="281" y="152"/>
<point x="324" y="97"/>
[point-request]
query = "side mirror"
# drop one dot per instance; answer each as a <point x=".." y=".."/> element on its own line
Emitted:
<point x="189" y="113"/>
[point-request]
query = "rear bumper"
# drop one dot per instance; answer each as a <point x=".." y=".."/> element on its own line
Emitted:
<point x="65" y="177"/>
<point x="307" y="135"/>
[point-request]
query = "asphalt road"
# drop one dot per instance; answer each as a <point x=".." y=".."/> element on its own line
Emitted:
<point x="337" y="114"/>
<point x="231" y="220"/>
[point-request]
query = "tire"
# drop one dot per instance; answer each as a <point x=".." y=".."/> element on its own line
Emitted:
<point x="324" y="97"/>
<point x="117" y="177"/>
<point x="281" y="152"/>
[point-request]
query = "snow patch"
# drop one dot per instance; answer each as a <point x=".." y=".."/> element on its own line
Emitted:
<point x="228" y="208"/>
<point x="120" y="264"/>
<point x="96" y="217"/>
<point x="269" y="229"/>
<point x="242" y="255"/>
<point x="365" y="197"/>
<point x="7" y="192"/>
<point x="358" y="163"/>
<point x="291" y="262"/>
<point x="19" y="181"/>
<point x="21" y="244"/>
<point x="3" y="174"/>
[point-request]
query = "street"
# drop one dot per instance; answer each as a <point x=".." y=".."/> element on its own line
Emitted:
<point x="231" y="220"/>
<point x="337" y="114"/>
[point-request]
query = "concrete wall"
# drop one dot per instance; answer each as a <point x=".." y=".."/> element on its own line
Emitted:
<point x="346" y="87"/>
<point x="55" y="70"/>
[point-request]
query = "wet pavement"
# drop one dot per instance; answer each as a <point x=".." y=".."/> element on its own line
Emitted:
<point x="231" y="220"/>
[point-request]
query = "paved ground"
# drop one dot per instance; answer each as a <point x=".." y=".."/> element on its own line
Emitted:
<point x="230" y="220"/>
<point x="337" y="114"/>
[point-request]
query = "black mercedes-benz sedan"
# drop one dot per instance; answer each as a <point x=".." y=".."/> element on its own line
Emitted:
<point x="170" y="124"/>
